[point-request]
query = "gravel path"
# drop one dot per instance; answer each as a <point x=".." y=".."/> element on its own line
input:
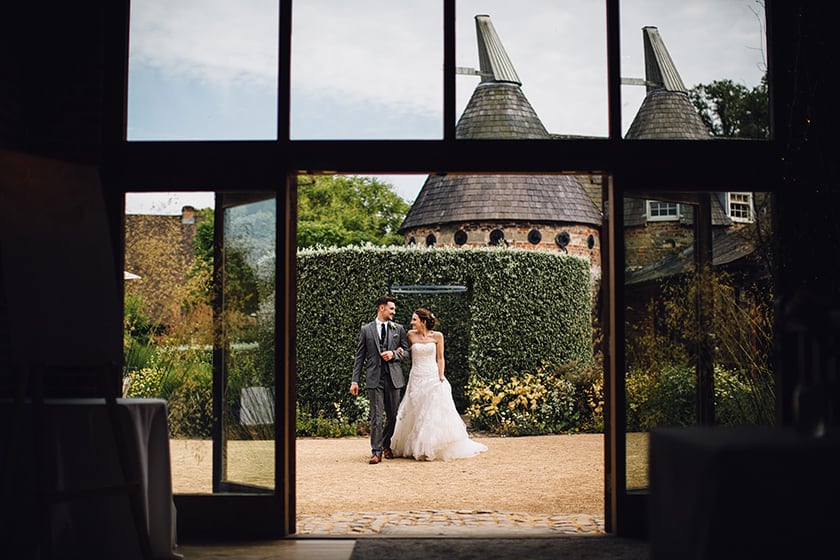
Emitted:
<point x="540" y="475"/>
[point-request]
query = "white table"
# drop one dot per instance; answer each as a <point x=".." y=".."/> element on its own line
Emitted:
<point x="79" y="453"/>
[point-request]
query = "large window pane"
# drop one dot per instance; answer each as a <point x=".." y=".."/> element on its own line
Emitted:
<point x="203" y="70"/>
<point x="168" y="323"/>
<point x="557" y="67"/>
<point x="698" y="344"/>
<point x="246" y="349"/>
<point x="370" y="69"/>
<point x="676" y="47"/>
<point x="181" y="330"/>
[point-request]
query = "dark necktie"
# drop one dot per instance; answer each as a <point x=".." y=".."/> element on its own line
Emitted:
<point x="382" y="334"/>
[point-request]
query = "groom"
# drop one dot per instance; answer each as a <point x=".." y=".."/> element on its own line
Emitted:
<point x="382" y="346"/>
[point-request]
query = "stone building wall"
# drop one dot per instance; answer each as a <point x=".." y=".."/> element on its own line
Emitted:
<point x="160" y="249"/>
<point x="649" y="243"/>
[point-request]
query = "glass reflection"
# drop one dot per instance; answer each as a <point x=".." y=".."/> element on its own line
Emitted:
<point x="688" y="319"/>
<point x="168" y="322"/>
<point x="246" y="326"/>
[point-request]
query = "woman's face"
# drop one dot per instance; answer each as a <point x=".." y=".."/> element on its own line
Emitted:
<point x="415" y="321"/>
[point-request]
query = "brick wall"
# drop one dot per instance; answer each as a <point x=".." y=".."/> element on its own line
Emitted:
<point x="160" y="250"/>
<point x="647" y="244"/>
<point x="516" y="235"/>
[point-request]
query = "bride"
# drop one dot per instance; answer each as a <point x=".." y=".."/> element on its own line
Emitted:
<point x="428" y="424"/>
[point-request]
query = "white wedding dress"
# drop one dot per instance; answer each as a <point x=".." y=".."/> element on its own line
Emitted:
<point x="428" y="424"/>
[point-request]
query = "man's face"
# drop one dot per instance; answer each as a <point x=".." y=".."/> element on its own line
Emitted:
<point x="386" y="311"/>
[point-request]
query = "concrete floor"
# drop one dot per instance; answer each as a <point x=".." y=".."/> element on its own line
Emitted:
<point x="567" y="547"/>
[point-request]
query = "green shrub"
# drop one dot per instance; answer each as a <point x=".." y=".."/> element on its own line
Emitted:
<point x="191" y="408"/>
<point x="309" y="425"/>
<point x="184" y="380"/>
<point x="667" y="397"/>
<point x="588" y="382"/>
<point x="743" y="397"/>
<point x="145" y="383"/>
<point x="661" y="342"/>
<point x="661" y="397"/>
<point x="523" y="309"/>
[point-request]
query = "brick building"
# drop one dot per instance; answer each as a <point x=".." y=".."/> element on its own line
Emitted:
<point x="160" y="249"/>
<point x="659" y="230"/>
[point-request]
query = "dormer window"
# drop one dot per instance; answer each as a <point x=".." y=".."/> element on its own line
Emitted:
<point x="739" y="206"/>
<point x="662" y="211"/>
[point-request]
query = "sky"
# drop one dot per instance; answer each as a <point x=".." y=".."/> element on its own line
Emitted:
<point x="372" y="69"/>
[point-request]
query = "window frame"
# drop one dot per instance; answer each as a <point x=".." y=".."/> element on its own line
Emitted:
<point x="652" y="217"/>
<point x="628" y="166"/>
<point x="748" y="204"/>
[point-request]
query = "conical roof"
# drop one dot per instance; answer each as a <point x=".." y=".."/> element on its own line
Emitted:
<point x="482" y="198"/>
<point x="666" y="112"/>
<point x="499" y="110"/>
<point x="667" y="115"/>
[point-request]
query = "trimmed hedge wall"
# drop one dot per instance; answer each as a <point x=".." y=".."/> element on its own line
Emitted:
<point x="523" y="309"/>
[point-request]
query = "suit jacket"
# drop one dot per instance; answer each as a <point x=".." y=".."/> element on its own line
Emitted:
<point x="367" y="354"/>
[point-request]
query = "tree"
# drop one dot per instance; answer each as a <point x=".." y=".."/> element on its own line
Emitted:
<point x="732" y="110"/>
<point x="340" y="211"/>
<point x="200" y="275"/>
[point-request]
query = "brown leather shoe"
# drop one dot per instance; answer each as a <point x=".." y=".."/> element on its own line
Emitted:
<point x="388" y="453"/>
<point x="375" y="458"/>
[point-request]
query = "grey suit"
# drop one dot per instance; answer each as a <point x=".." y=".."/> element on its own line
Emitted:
<point x="384" y="380"/>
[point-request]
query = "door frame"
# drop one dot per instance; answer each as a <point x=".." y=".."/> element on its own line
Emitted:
<point x="245" y="165"/>
<point x="627" y="509"/>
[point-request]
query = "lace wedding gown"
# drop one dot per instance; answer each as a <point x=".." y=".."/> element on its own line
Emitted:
<point x="428" y="424"/>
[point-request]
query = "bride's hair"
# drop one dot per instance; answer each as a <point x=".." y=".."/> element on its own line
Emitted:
<point x="427" y="317"/>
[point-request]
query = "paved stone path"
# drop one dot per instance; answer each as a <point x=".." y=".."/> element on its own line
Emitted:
<point x="448" y="522"/>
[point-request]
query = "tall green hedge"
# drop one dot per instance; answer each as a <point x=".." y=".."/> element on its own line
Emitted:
<point x="522" y="310"/>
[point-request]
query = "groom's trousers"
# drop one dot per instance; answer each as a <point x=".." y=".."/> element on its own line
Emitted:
<point x="384" y="400"/>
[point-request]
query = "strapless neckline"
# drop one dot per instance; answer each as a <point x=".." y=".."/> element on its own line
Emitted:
<point x="413" y="343"/>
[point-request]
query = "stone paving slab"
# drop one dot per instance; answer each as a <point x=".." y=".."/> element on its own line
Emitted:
<point x="446" y="522"/>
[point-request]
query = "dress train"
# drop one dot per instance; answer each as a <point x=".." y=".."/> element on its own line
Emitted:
<point x="428" y="424"/>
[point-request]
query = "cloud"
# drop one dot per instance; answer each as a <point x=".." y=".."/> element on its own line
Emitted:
<point x="385" y="56"/>
<point x="213" y="41"/>
<point x="559" y="51"/>
<point x="166" y="203"/>
<point x="370" y="52"/>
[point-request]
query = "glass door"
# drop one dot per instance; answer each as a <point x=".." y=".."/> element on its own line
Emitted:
<point x="667" y="359"/>
<point x="691" y="307"/>
<point x="660" y="353"/>
<point x="244" y="343"/>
